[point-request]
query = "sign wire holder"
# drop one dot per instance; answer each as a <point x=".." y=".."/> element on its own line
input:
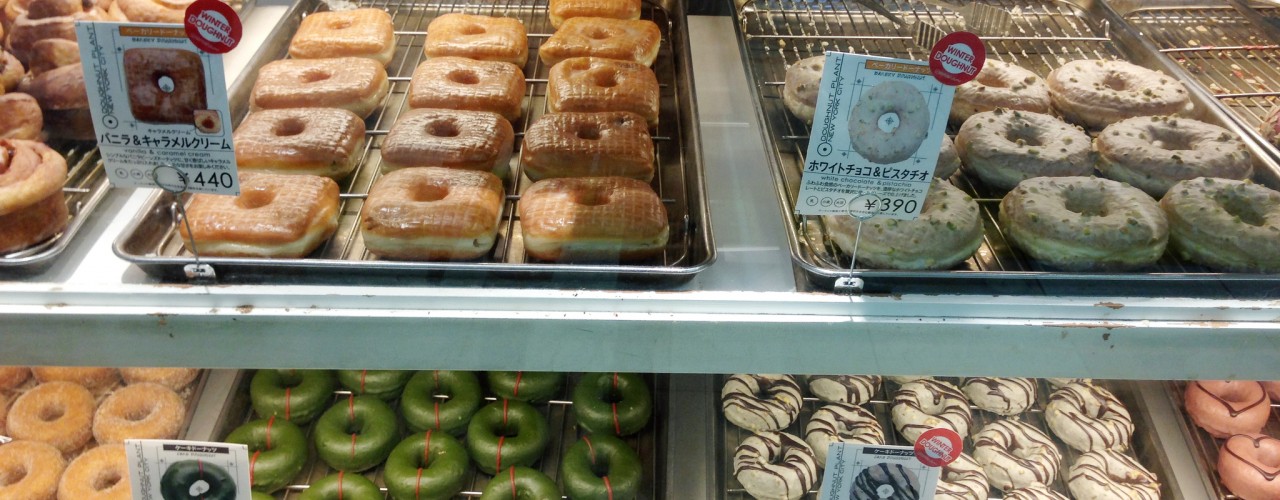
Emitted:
<point x="850" y="284"/>
<point x="174" y="182"/>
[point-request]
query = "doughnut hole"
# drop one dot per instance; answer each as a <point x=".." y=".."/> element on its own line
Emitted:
<point x="340" y="24"/>
<point x="106" y="479"/>
<point x="605" y="79"/>
<point x="443" y="128"/>
<point x="1116" y="81"/>
<point x="1089" y="203"/>
<point x="1169" y="140"/>
<point x="598" y="34"/>
<point x="990" y="79"/>
<point x="472" y="29"/>
<point x="589" y="132"/>
<point x="1240" y="208"/>
<point x="1025" y="136"/>
<point x="1237" y="392"/>
<point x="289" y="127"/>
<point x="51" y="413"/>
<point x="12" y="476"/>
<point x="429" y="192"/>
<point x="463" y="76"/>
<point x="138" y="414"/>
<point x="315" y="75"/>
<point x="257" y="198"/>
<point x="591" y="197"/>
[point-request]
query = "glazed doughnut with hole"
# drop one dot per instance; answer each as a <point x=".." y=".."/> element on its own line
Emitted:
<point x="30" y="470"/>
<point x="840" y="422"/>
<point x="285" y="216"/>
<point x="618" y="404"/>
<point x="507" y="433"/>
<point x="851" y="389"/>
<point x="963" y="479"/>
<point x="1225" y="407"/>
<point x="531" y="387"/>
<point x="1088" y="418"/>
<point x="356" y="433"/>
<point x="1002" y="396"/>
<point x="277" y="451"/>
<point x="32" y="206"/>
<point x="483" y="38"/>
<point x="1084" y="223"/>
<point x="518" y="483"/>
<point x="449" y="138"/>
<point x="561" y="10"/>
<point x="355" y="84"/>
<point x="139" y="411"/>
<point x="1248" y="465"/>
<point x="298" y="396"/>
<point x="1007" y="147"/>
<point x="350" y="33"/>
<point x="98" y="474"/>
<point x="165" y="85"/>
<point x="947" y="231"/>
<point x="1000" y="85"/>
<point x="601" y="467"/>
<point x="11" y="377"/>
<point x="173" y="378"/>
<point x="310" y="141"/>
<point x="775" y="465"/>
<point x="20" y="117"/>
<point x="761" y="402"/>
<point x="594" y="84"/>
<point x="57" y="413"/>
<point x="927" y="404"/>
<point x="432" y="213"/>
<point x="441" y="400"/>
<point x="342" y="486"/>
<point x="889" y="122"/>
<point x="635" y="40"/>
<point x="1015" y="454"/>
<point x="1096" y="93"/>
<point x="461" y="83"/>
<point x="1225" y="224"/>
<point x="800" y="87"/>
<point x="1108" y="474"/>
<point x="1152" y="153"/>
<point x="588" y="145"/>
<point x="428" y="462"/>
<point x="593" y="219"/>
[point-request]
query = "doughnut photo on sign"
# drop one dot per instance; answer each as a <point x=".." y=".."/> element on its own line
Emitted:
<point x="165" y="85"/>
<point x="889" y="122"/>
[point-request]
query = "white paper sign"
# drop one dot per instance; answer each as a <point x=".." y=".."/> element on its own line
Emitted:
<point x="875" y="138"/>
<point x="858" y="471"/>
<point x="157" y="101"/>
<point x="162" y="469"/>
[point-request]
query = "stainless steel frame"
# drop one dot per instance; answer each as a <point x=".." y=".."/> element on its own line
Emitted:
<point x="152" y="243"/>
<point x="86" y="186"/>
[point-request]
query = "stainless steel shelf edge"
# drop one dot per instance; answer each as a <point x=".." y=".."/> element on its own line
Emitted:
<point x="1162" y="419"/>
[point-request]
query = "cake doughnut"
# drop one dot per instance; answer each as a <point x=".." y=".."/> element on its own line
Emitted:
<point x="764" y="402"/>
<point x="1002" y="396"/>
<point x="429" y="461"/>
<point x="355" y="84"/>
<point x="196" y="480"/>
<point x="98" y="474"/>
<point x="342" y="486"/>
<point x="20" y="117"/>
<point x="58" y="413"/>
<point x="277" y="451"/>
<point x="350" y="33"/>
<point x="311" y="141"/>
<point x="1015" y="454"/>
<point x="963" y="479"/>
<point x="1033" y="492"/>
<point x="516" y="483"/>
<point x="1007" y="147"/>
<point x="1225" y="224"/>
<point x="1224" y="407"/>
<point x="285" y="216"/>
<point x="384" y="384"/>
<point x="947" y="231"/>
<point x="356" y="434"/>
<point x="926" y="404"/>
<point x="1107" y="474"/>
<point x="92" y="378"/>
<point x="507" y="433"/>
<point x="1247" y="466"/>
<point x="840" y="423"/>
<point x="600" y="466"/>
<point x="173" y="378"/>
<point x="154" y="11"/>
<point x="461" y="83"/>
<point x="30" y="469"/>
<point x="32" y="206"/>
<point x="11" y="71"/>
<point x="1089" y="418"/>
<point x="561" y="10"/>
<point x="139" y="411"/>
<point x="1096" y="93"/>
<point x="440" y="400"/>
<point x="617" y="404"/>
<point x="483" y="38"/>
<point x="1000" y="85"/>
<point x="948" y="159"/>
<point x="149" y="72"/>
<point x="531" y="387"/>
<point x="449" y="138"/>
<point x="603" y="144"/>
<point x="1152" y="153"/>
<point x="64" y="102"/>
<point x="888" y="122"/>
<point x="298" y="396"/>
<point x="851" y="389"/>
<point x="1085" y="223"/>
<point x="775" y="465"/>
<point x="801" y="85"/>
<point x="593" y="219"/>
<point x="886" y="481"/>
<point x="11" y="377"/>
<point x="635" y="40"/>
<point x="593" y="84"/>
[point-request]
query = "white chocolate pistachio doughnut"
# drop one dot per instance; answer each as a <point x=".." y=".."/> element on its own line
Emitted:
<point x="1034" y="492"/>
<point x="852" y="389"/>
<point x="925" y="404"/>
<point x="1225" y="224"/>
<point x="948" y="231"/>
<point x="889" y="122"/>
<point x="948" y="159"/>
<point x="1015" y="454"/>
<point x="1096" y="93"/>
<point x="962" y="479"/>
<point x="1002" y="396"/>
<point x="1000" y="85"/>
<point x="1152" y="153"/>
<point x="1059" y="382"/>
<point x="763" y="402"/>
<point x="903" y="379"/>
<point x="1088" y="418"/>
<point x="1108" y="474"/>
<point x="800" y="88"/>
<point x="840" y="422"/>
<point x="1007" y="147"/>
<point x="775" y="465"/>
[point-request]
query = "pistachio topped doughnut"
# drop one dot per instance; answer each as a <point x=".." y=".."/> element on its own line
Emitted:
<point x="948" y="231"/>
<point x="295" y="395"/>
<point x="800" y="88"/>
<point x="612" y="403"/>
<point x="1084" y="223"/>
<point x="1000" y="85"/>
<point x="1015" y="454"/>
<point x="277" y="451"/>
<point x="851" y="389"/>
<point x="532" y="387"/>
<point x="427" y="465"/>
<point x="1152" y="153"/>
<point x="601" y="467"/>
<point x="1007" y="147"/>
<point x="1096" y="93"/>
<point x="948" y="159"/>
<point x="442" y="400"/>
<point x="888" y="122"/>
<point x="384" y="384"/>
<point x="925" y="404"/>
<point x="356" y="433"/>
<point x="1225" y="224"/>
<point x="761" y="402"/>
<point x="1088" y="417"/>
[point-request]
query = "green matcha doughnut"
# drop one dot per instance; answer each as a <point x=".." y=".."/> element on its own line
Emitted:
<point x="385" y="384"/>
<point x="429" y="465"/>
<point x="196" y="480"/>
<point x="423" y="409"/>
<point x="506" y="433"/>
<point x="612" y="403"/>
<point x="520" y="483"/>
<point x="277" y="451"/>
<point x="258" y="495"/>
<point x="295" y="395"/>
<point x="356" y="433"/>
<point x="533" y="387"/>
<point x="342" y="486"/>
<point x="601" y="467"/>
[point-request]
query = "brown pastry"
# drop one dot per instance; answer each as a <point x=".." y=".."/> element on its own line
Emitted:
<point x="32" y="207"/>
<point x="349" y="33"/>
<point x="20" y="117"/>
<point x="461" y="83"/>
<point x="592" y="218"/>
<point x="355" y="84"/>
<point x="432" y="213"/>
<point x="592" y="84"/>
<point x="153" y="11"/>
<point x="468" y="140"/>
<point x="52" y="53"/>
<point x="588" y="145"/>
<point x="626" y="40"/>
<point x="483" y="38"/>
<point x="284" y="216"/>
<point x="560" y="10"/>
<point x="46" y="19"/>
<point x="313" y="141"/>
<point x="62" y="96"/>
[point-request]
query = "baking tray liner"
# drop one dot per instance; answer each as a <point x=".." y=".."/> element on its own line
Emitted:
<point x="1145" y="448"/>
<point x="650" y="443"/>
<point x="152" y="242"/>
<point x="1046" y="34"/>
<point x="86" y="186"/>
<point x="1204" y="446"/>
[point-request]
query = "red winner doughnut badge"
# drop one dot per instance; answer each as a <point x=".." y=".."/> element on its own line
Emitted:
<point x="212" y="26"/>
<point x="938" y="447"/>
<point x="957" y="58"/>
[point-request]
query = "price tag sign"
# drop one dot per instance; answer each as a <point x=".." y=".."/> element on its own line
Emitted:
<point x="859" y="471"/>
<point x="157" y="100"/>
<point x="875" y="139"/>
<point x="162" y="468"/>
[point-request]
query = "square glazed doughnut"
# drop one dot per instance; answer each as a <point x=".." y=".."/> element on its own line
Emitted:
<point x="355" y="84"/>
<point x="592" y="218"/>
<point x="165" y="85"/>
<point x="286" y="216"/>
<point x="605" y="144"/>
<point x="483" y="38"/>
<point x="467" y="140"/>
<point x="562" y="10"/>
<point x="592" y="84"/>
<point x="626" y="40"/>
<point x="311" y="141"/>
<point x="349" y="33"/>
<point x="461" y="83"/>
<point x="432" y="213"/>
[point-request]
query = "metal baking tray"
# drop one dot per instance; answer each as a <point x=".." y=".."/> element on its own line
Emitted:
<point x="152" y="242"/>
<point x="1145" y="447"/>
<point x="1046" y="34"/>
<point x="650" y="443"/>
<point x="86" y="186"/>
<point x="1204" y="446"/>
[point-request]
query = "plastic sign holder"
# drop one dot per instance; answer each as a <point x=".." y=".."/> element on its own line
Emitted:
<point x="174" y="182"/>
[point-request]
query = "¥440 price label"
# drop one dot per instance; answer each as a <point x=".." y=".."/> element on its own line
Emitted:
<point x="214" y="179"/>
